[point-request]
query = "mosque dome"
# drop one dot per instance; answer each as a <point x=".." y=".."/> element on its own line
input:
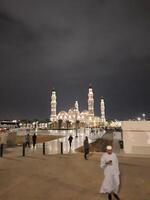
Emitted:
<point x="63" y="116"/>
<point x="84" y="115"/>
<point x="73" y="114"/>
<point x="71" y="110"/>
<point x="85" y="112"/>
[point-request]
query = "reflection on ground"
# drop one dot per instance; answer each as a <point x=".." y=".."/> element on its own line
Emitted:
<point x="54" y="146"/>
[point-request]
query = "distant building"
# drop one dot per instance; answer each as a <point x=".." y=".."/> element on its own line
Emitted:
<point x="9" y="124"/>
<point x="69" y="119"/>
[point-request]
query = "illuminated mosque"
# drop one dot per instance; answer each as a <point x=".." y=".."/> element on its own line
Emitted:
<point x="74" y="117"/>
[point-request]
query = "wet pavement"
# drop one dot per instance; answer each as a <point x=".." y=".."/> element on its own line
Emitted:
<point x="54" y="146"/>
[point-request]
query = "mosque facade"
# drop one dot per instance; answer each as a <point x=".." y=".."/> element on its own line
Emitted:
<point x="73" y="118"/>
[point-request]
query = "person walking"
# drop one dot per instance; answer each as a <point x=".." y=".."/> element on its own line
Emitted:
<point x="109" y="163"/>
<point x="34" y="137"/>
<point x="27" y="138"/>
<point x="70" y="140"/>
<point x="86" y="147"/>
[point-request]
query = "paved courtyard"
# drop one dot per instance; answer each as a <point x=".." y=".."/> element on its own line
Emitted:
<point x="54" y="146"/>
<point x="68" y="176"/>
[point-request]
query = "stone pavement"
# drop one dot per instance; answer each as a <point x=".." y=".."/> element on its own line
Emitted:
<point x="68" y="176"/>
<point x="54" y="146"/>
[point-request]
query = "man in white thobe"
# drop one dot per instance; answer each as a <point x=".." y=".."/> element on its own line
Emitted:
<point x="109" y="163"/>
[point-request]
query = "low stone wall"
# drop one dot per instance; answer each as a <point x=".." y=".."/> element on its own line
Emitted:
<point x="136" y="137"/>
<point x="8" y="138"/>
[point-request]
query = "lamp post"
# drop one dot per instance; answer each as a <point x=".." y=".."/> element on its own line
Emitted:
<point x="76" y="123"/>
<point x="76" y="129"/>
<point x="77" y="126"/>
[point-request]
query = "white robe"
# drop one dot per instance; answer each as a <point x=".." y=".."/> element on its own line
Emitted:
<point x="111" y="173"/>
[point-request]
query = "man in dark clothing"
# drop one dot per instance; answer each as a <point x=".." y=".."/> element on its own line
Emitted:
<point x="86" y="147"/>
<point x="27" y="138"/>
<point x="34" y="140"/>
<point x="70" y="140"/>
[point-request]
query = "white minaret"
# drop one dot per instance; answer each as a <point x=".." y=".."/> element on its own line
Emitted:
<point x="102" y="109"/>
<point x="53" y="116"/>
<point x="76" y="105"/>
<point x="90" y="101"/>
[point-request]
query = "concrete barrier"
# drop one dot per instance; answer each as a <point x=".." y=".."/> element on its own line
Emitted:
<point x="136" y="137"/>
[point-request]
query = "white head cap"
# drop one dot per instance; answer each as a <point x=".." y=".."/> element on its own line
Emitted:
<point x="109" y="147"/>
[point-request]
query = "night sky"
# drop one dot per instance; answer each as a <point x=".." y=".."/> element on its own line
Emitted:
<point x="68" y="45"/>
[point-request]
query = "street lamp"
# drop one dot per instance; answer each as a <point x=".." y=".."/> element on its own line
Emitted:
<point x="76" y="123"/>
<point x="77" y="126"/>
<point x="143" y="115"/>
<point x="139" y="118"/>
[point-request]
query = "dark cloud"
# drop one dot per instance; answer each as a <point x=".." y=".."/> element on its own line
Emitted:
<point x="69" y="44"/>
